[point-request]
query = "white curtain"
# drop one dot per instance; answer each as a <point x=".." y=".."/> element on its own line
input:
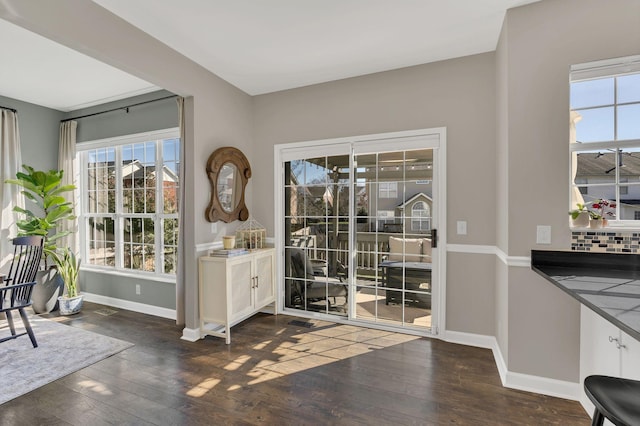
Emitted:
<point x="576" y="195"/>
<point x="10" y="164"/>
<point x="180" y="275"/>
<point x="67" y="163"/>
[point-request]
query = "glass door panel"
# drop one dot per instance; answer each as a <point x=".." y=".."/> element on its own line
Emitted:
<point x="393" y="237"/>
<point x="317" y="201"/>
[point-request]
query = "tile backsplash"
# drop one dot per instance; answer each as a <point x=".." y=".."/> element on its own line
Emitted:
<point x="606" y="241"/>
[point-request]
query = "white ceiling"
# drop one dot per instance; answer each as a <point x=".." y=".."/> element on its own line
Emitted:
<point x="46" y="73"/>
<point x="260" y="46"/>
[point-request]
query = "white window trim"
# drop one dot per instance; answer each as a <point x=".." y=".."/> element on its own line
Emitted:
<point x="115" y="142"/>
<point x="610" y="68"/>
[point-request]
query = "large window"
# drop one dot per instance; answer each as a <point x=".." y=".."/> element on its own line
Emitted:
<point x="129" y="202"/>
<point x="605" y="145"/>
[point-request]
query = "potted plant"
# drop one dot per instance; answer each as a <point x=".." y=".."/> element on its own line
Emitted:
<point x="601" y="212"/>
<point x="580" y="216"/>
<point x="44" y="190"/>
<point x="68" y="268"/>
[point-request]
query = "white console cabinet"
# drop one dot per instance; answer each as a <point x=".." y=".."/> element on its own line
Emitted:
<point x="233" y="289"/>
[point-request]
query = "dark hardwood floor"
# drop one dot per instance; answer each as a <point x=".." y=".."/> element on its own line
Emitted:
<point x="279" y="373"/>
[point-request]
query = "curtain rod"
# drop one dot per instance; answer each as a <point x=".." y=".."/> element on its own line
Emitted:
<point x="126" y="108"/>
<point x="10" y="109"/>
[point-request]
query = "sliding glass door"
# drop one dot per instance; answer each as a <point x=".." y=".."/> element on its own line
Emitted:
<point x="359" y="230"/>
<point x="393" y="241"/>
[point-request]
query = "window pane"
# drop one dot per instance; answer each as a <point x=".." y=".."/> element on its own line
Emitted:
<point x="592" y="93"/>
<point x="139" y="244"/>
<point x="139" y="170"/>
<point x="596" y="125"/>
<point x="629" y="88"/>
<point x="101" y="241"/>
<point x="629" y="122"/>
<point x="170" y="245"/>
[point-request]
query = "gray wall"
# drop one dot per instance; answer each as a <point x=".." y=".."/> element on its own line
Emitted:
<point x="39" y="133"/>
<point x="539" y="43"/>
<point x="143" y="118"/>
<point x="458" y="94"/>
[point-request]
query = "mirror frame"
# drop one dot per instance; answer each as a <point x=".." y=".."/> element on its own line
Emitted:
<point x="217" y="159"/>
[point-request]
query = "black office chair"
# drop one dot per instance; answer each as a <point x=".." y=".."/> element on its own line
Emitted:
<point x="616" y="399"/>
<point x="16" y="295"/>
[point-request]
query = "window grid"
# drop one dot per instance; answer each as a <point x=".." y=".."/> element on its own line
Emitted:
<point x="130" y="212"/>
<point x="612" y="183"/>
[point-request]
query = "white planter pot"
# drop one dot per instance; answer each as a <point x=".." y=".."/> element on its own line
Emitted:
<point x="582" y="221"/>
<point x="596" y="223"/>
<point x="70" y="305"/>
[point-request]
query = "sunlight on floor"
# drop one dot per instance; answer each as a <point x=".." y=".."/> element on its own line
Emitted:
<point x="322" y="344"/>
<point x="95" y="387"/>
<point x="203" y="387"/>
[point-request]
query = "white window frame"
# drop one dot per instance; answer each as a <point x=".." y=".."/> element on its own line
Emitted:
<point x="119" y="216"/>
<point x="420" y="219"/>
<point x="600" y="70"/>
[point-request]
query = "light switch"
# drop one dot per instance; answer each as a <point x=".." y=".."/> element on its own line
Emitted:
<point x="462" y="227"/>
<point x="543" y="234"/>
<point x="214" y="227"/>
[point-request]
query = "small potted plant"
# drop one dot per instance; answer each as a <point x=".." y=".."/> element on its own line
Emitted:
<point x="601" y="212"/>
<point x="580" y="216"/>
<point x="68" y="267"/>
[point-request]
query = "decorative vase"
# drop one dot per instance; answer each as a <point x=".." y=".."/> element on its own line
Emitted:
<point x="582" y="221"/>
<point x="595" y="223"/>
<point x="229" y="242"/>
<point x="47" y="290"/>
<point x="70" y="305"/>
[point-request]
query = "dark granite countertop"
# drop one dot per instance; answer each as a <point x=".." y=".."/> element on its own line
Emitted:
<point x="607" y="283"/>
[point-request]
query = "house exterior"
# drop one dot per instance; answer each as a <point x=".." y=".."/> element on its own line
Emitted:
<point x="506" y="113"/>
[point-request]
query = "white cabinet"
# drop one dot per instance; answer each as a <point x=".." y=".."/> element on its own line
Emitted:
<point x="234" y="288"/>
<point x="605" y="350"/>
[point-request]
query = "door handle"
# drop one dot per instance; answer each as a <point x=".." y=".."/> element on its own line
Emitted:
<point x="434" y="238"/>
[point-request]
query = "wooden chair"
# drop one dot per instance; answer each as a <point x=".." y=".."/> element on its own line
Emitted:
<point x="16" y="295"/>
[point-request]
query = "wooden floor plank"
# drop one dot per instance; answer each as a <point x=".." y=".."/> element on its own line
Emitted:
<point x="280" y="373"/>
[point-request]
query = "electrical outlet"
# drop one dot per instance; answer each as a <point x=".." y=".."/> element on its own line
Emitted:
<point x="462" y="227"/>
<point x="138" y="289"/>
<point x="543" y="234"/>
<point x="214" y="228"/>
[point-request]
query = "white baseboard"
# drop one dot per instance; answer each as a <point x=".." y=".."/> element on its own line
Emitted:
<point x="525" y="382"/>
<point x="543" y="385"/>
<point x="191" y="334"/>
<point x="131" y="306"/>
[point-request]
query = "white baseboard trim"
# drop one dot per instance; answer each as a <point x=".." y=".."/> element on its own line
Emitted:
<point x="543" y="385"/>
<point x="131" y="306"/>
<point x="191" y="334"/>
<point x="470" y="339"/>
<point x="525" y="382"/>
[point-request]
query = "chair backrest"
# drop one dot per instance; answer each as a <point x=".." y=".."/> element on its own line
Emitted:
<point x="26" y="259"/>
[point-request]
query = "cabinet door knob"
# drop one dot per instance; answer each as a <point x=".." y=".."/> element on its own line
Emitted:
<point x="618" y="344"/>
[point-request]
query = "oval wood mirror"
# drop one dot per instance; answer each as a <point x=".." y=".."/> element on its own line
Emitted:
<point x="228" y="171"/>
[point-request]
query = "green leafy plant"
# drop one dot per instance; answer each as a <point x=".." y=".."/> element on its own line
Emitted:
<point x="44" y="190"/>
<point x="68" y="268"/>
<point x="582" y="208"/>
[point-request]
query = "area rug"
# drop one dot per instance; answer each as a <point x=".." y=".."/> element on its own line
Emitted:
<point x="61" y="350"/>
